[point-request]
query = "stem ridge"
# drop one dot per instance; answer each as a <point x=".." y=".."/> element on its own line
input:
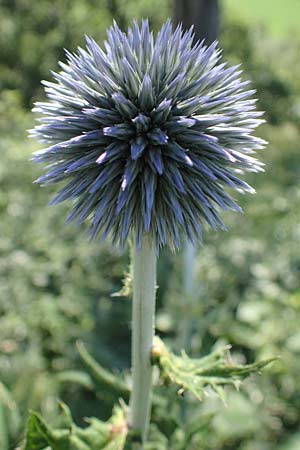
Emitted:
<point x="143" y="321"/>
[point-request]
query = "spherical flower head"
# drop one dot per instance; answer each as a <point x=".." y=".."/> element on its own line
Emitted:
<point x="147" y="134"/>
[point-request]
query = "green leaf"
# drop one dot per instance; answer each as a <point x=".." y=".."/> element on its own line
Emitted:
<point x="184" y="435"/>
<point x="4" y="438"/>
<point x="157" y="440"/>
<point x="101" y="376"/>
<point x="195" y="375"/>
<point x="40" y="435"/>
<point x="10" y="419"/>
<point x="76" y="376"/>
<point x="126" y="290"/>
<point x="98" y="435"/>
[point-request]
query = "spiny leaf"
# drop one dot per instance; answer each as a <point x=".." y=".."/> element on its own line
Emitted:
<point x="10" y="419"/>
<point x="193" y="428"/>
<point x="99" y="378"/>
<point x="157" y="440"/>
<point x="102" y="376"/>
<point x="4" y="439"/>
<point x="76" y="376"/>
<point x="39" y="435"/>
<point x="98" y="435"/>
<point x="126" y="290"/>
<point x="195" y="375"/>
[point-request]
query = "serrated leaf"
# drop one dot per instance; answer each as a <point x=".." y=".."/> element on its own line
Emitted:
<point x="39" y="435"/>
<point x="10" y="419"/>
<point x="126" y="290"/>
<point x="76" y="376"/>
<point x="196" y="427"/>
<point x="157" y="440"/>
<point x="98" y="435"/>
<point x="101" y="376"/>
<point x="196" y="375"/>
<point x="3" y="429"/>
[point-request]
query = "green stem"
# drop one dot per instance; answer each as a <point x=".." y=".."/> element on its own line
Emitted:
<point x="143" y="316"/>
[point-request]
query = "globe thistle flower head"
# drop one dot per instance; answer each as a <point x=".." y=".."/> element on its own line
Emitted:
<point x="147" y="135"/>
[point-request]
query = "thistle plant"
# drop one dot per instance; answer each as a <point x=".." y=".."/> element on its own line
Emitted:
<point x="149" y="138"/>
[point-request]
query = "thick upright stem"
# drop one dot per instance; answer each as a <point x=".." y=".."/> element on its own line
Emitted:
<point x="143" y="315"/>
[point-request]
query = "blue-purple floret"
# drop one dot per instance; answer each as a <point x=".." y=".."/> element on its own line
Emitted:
<point x="147" y="134"/>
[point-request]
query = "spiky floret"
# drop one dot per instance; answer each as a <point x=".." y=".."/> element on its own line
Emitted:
<point x="147" y="134"/>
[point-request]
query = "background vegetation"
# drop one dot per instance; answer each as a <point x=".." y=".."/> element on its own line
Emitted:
<point x="279" y="19"/>
<point x="55" y="288"/>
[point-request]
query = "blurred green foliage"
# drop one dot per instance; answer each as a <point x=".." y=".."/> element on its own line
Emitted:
<point x="33" y="37"/>
<point x="55" y="287"/>
<point x="278" y="18"/>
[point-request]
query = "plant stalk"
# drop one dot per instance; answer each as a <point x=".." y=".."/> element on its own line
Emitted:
<point x="143" y="322"/>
